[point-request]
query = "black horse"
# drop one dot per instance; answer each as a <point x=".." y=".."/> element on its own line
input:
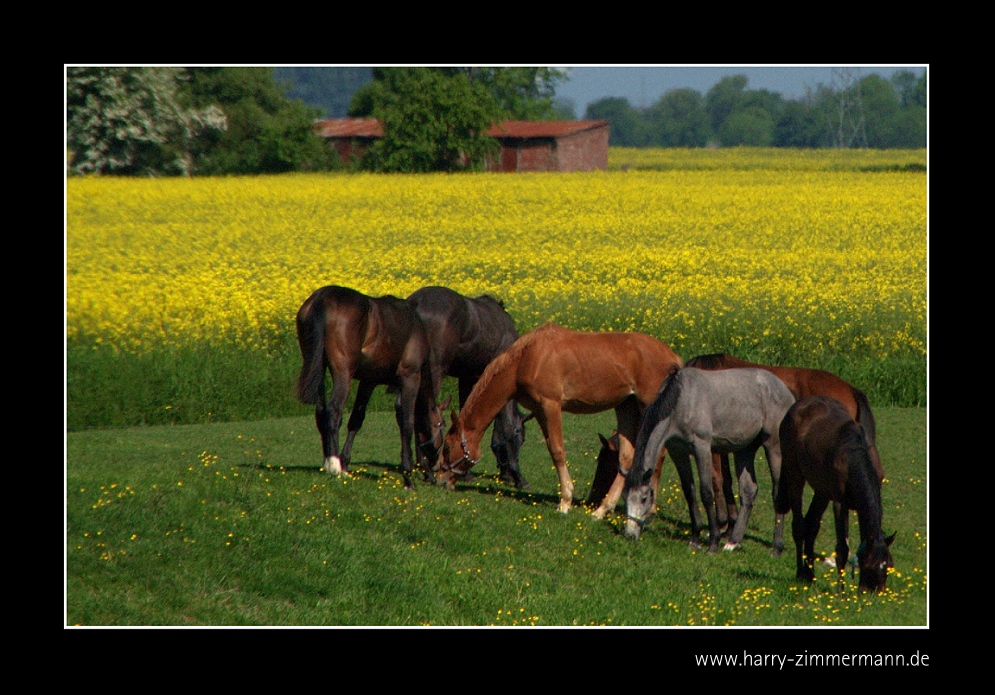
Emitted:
<point x="377" y="341"/>
<point x="465" y="334"/>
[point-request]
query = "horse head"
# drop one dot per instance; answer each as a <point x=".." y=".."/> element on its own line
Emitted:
<point x="458" y="455"/>
<point x="509" y="436"/>
<point x="875" y="562"/>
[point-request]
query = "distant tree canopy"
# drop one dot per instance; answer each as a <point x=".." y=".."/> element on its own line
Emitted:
<point x="874" y="112"/>
<point x="436" y="119"/>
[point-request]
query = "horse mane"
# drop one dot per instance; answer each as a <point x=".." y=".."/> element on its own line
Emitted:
<point x="500" y="363"/>
<point x="662" y="406"/>
<point x="864" y="415"/>
<point x="492" y="298"/>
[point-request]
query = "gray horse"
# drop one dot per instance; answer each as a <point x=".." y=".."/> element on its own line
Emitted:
<point x="696" y="412"/>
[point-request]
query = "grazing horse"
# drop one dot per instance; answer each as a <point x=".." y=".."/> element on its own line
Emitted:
<point x="822" y="444"/>
<point x="377" y="341"/>
<point x="696" y="412"/>
<point x="802" y="382"/>
<point x="551" y="370"/>
<point x="465" y="335"/>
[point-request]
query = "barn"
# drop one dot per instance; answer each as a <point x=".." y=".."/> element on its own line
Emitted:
<point x="525" y="145"/>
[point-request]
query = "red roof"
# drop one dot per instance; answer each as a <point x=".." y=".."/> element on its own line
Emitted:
<point x="372" y="128"/>
<point x="541" y="129"/>
<point x="350" y="128"/>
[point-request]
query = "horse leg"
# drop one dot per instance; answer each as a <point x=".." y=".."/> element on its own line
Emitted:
<point x="772" y="448"/>
<point x="551" y="421"/>
<point x="404" y="413"/>
<point x="627" y="417"/>
<point x="841" y="515"/>
<point x="703" y="457"/>
<point x="356" y="419"/>
<point x="745" y="469"/>
<point x="813" y="520"/>
<point x="725" y="498"/>
<point x="682" y="461"/>
<point x="329" y="420"/>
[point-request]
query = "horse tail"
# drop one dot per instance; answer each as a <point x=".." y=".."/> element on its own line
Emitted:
<point x="864" y="415"/>
<point x="311" y="337"/>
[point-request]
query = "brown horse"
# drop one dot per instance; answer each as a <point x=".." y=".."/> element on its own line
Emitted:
<point x="551" y="370"/>
<point x="822" y="444"/>
<point x="379" y="341"/>
<point x="802" y="382"/>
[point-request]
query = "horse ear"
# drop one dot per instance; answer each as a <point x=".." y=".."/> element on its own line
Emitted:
<point x="446" y="402"/>
<point x="889" y="539"/>
<point x="454" y="415"/>
<point x="604" y="442"/>
<point x="528" y="417"/>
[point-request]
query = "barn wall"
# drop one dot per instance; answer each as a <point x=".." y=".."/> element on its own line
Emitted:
<point x="585" y="151"/>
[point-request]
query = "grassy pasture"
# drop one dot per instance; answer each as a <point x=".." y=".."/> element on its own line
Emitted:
<point x="235" y="524"/>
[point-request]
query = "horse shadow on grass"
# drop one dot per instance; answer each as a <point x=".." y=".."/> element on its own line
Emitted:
<point x="490" y="485"/>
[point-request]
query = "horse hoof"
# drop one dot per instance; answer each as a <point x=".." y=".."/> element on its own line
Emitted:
<point x="564" y="507"/>
<point x="599" y="513"/>
<point x="776" y="552"/>
<point x="729" y="547"/>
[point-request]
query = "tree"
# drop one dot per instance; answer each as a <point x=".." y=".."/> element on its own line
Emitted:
<point x="434" y="119"/>
<point x="125" y="120"/>
<point x="723" y="98"/>
<point x="627" y="127"/>
<point x="267" y="132"/>
<point x="679" y="119"/>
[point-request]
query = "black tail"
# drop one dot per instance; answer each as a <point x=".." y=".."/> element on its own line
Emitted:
<point x="311" y="337"/>
<point x="864" y="416"/>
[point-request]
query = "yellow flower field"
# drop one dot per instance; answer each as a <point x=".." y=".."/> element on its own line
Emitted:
<point x="777" y="261"/>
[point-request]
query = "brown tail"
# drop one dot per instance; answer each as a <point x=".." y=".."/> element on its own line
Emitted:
<point x="311" y="337"/>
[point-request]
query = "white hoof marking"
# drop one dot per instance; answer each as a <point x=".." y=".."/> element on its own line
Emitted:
<point x="333" y="464"/>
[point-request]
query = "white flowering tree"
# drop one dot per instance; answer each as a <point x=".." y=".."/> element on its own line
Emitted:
<point x="131" y="121"/>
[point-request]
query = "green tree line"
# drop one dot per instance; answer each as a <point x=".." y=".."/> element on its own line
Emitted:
<point x="873" y="112"/>
<point x="160" y="121"/>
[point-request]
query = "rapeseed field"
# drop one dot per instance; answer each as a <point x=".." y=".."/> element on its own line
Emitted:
<point x="815" y="262"/>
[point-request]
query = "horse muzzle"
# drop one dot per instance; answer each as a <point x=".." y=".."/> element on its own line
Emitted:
<point x="633" y="527"/>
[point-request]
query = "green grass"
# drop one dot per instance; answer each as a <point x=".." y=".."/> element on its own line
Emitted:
<point x="232" y="524"/>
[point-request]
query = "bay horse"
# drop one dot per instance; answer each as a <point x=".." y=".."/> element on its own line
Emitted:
<point x="696" y="412"/>
<point x="378" y="341"/>
<point x="823" y="445"/>
<point x="802" y="382"/>
<point x="552" y="370"/>
<point x="464" y="335"/>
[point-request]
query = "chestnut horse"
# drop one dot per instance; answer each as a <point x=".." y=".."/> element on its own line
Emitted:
<point x="379" y="341"/>
<point x="802" y="382"/>
<point x="822" y="444"/>
<point x="551" y="370"/>
<point x="465" y="334"/>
